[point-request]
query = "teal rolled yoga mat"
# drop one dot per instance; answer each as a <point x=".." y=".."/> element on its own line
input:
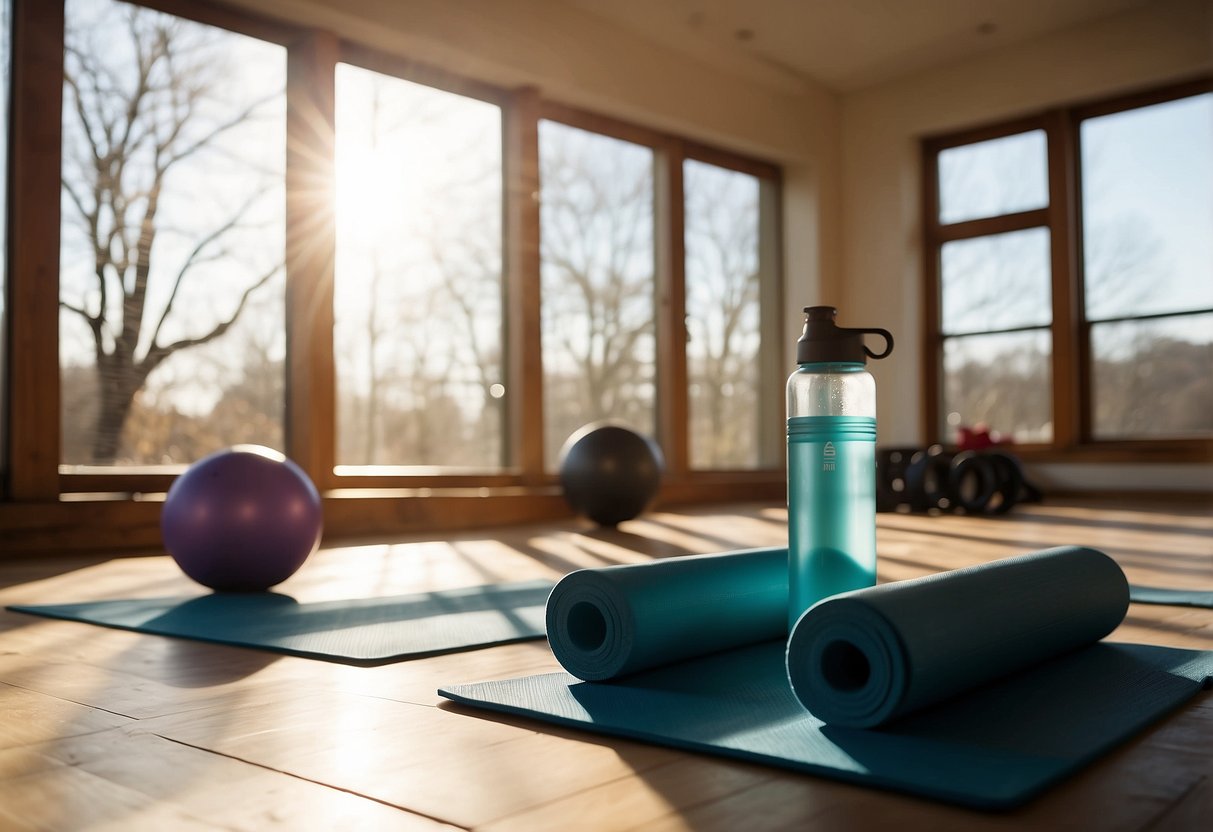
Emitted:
<point x="609" y="622"/>
<point x="864" y="658"/>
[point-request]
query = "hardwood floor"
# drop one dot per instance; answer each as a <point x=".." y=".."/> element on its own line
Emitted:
<point x="106" y="729"/>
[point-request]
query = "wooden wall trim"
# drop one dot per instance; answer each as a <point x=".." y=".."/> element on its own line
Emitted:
<point x="982" y="133"/>
<point x="125" y="527"/>
<point x="224" y="16"/>
<point x="1002" y="224"/>
<point x="673" y="406"/>
<point x="772" y="371"/>
<point x="419" y="72"/>
<point x="310" y="255"/>
<point x="523" y="319"/>
<point x="115" y="524"/>
<point x="33" y="250"/>
<point x="732" y="161"/>
<point x="931" y="369"/>
<point x="606" y="125"/>
<point x="1070" y="401"/>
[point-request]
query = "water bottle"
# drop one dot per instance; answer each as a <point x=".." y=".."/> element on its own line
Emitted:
<point x="831" y="462"/>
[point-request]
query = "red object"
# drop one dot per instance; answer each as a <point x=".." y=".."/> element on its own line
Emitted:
<point x="976" y="438"/>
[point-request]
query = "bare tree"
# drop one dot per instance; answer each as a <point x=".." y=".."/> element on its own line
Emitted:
<point x="137" y="111"/>
<point x="598" y="284"/>
<point x="722" y="316"/>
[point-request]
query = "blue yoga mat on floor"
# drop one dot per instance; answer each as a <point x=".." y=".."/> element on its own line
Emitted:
<point x="359" y="631"/>
<point x="934" y="687"/>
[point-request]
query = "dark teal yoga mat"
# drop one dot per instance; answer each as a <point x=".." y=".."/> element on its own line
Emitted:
<point x="1172" y="597"/>
<point x="865" y="658"/>
<point x="995" y="748"/>
<point x="359" y="631"/>
<point x="977" y="717"/>
<point x="620" y="619"/>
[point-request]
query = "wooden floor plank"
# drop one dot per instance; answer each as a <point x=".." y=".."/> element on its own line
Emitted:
<point x="434" y="761"/>
<point x="639" y="799"/>
<point x="31" y="718"/>
<point x="66" y="799"/>
<point x="127" y="780"/>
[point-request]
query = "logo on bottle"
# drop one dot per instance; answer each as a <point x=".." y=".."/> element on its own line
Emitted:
<point x="828" y="455"/>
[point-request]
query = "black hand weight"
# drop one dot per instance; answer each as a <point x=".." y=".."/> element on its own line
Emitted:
<point x="975" y="482"/>
<point x="927" y="479"/>
<point x="972" y="481"/>
<point x="891" y="465"/>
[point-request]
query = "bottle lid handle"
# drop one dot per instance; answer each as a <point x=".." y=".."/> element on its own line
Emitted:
<point x="888" y="343"/>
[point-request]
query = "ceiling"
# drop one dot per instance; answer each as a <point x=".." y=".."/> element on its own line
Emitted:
<point x="846" y="45"/>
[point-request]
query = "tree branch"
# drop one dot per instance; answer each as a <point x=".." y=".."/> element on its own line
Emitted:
<point x="156" y="354"/>
<point x="193" y="260"/>
<point x="94" y="324"/>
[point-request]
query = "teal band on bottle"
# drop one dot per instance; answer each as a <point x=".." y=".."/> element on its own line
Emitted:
<point x="831" y="429"/>
<point x="831" y="507"/>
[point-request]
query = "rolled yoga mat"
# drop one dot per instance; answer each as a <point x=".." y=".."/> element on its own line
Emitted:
<point x="994" y="746"/>
<point x="617" y="620"/>
<point x="864" y="658"/>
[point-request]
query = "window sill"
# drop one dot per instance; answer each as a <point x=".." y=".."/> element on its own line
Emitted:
<point x="127" y="520"/>
<point x="1187" y="451"/>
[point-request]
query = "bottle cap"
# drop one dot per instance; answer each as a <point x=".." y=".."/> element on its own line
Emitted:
<point x="824" y="342"/>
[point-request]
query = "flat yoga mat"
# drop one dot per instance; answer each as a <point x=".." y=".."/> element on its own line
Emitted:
<point x="973" y="720"/>
<point x="1173" y="597"/>
<point x="362" y="631"/>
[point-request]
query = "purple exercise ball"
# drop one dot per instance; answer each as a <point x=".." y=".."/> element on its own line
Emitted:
<point x="242" y="519"/>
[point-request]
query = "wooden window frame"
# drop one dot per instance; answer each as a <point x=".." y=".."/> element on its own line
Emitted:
<point x="672" y="396"/>
<point x="1070" y="330"/>
<point x="43" y="508"/>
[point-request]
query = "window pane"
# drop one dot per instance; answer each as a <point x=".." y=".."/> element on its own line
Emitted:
<point x="597" y="282"/>
<point x="996" y="282"/>
<point x="722" y="305"/>
<point x="418" y="297"/>
<point x="172" y="339"/>
<point x="1000" y="176"/>
<point x="1000" y="381"/>
<point x="1153" y="379"/>
<point x="1147" y="201"/>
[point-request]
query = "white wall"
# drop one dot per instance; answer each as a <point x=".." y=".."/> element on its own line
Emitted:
<point x="881" y="188"/>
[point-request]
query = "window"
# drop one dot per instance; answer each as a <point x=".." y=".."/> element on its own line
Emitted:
<point x="402" y="278"/>
<point x="994" y="177"/>
<point x="728" y="285"/>
<point x="1069" y="263"/>
<point x="171" y="251"/>
<point x="996" y="313"/>
<point x="1147" y="214"/>
<point x="598" y="290"/>
<point x="418" y="297"/>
